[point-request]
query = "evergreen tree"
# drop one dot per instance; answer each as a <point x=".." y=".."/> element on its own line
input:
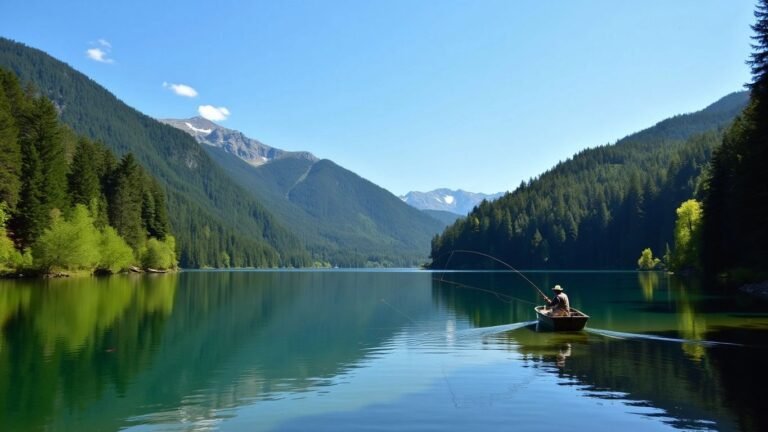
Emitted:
<point x="735" y="234"/>
<point x="759" y="57"/>
<point x="83" y="178"/>
<point x="125" y="201"/>
<point x="10" y="153"/>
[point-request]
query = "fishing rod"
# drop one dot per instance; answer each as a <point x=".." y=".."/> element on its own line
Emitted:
<point x="502" y="297"/>
<point x="500" y="262"/>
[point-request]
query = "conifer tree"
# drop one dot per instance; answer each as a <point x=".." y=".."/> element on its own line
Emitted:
<point x="83" y="180"/>
<point x="10" y="155"/>
<point x="736" y="194"/>
<point x="125" y="201"/>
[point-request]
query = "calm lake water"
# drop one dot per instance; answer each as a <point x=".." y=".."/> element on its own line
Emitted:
<point x="377" y="350"/>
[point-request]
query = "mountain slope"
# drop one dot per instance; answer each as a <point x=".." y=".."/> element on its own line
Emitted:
<point x="600" y="208"/>
<point x="455" y="201"/>
<point x="343" y="218"/>
<point x="217" y="222"/>
<point x="234" y="142"/>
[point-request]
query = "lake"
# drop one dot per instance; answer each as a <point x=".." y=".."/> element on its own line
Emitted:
<point x="377" y="350"/>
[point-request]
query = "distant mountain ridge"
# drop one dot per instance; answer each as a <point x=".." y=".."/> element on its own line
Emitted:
<point x="232" y="141"/>
<point x="341" y="217"/>
<point x="455" y="201"/>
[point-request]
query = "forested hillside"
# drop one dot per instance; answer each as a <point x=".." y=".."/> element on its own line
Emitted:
<point x="735" y="220"/>
<point x="599" y="209"/>
<point x="217" y="223"/>
<point x="66" y="203"/>
<point x="345" y="219"/>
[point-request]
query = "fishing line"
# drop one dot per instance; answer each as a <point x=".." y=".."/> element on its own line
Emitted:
<point x="502" y="297"/>
<point x="398" y="311"/>
<point x="500" y="262"/>
<point x="519" y="273"/>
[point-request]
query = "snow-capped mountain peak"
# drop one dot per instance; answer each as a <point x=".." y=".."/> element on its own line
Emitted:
<point x="455" y="201"/>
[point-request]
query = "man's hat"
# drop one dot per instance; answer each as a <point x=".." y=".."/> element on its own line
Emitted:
<point x="557" y="288"/>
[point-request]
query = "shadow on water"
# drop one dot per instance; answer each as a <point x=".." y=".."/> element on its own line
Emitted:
<point x="657" y="342"/>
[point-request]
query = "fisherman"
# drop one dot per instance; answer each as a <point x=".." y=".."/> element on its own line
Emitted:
<point x="559" y="306"/>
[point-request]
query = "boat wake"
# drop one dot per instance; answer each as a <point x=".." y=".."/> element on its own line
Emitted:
<point x="622" y="335"/>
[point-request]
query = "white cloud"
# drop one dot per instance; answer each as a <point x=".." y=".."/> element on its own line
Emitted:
<point x="100" y="53"/>
<point x="213" y="113"/>
<point x="181" y="89"/>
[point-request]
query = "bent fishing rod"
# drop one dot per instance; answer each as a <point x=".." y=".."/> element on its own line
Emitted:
<point x="500" y="262"/>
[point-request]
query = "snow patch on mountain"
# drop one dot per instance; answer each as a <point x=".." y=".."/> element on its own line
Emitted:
<point x="455" y="201"/>
<point x="194" y="129"/>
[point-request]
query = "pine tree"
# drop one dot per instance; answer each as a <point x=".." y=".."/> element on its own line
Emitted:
<point x="759" y="58"/>
<point x="83" y="179"/>
<point x="736" y="194"/>
<point x="125" y="201"/>
<point x="10" y="153"/>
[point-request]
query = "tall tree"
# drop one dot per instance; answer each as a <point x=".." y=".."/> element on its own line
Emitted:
<point x="10" y="153"/>
<point x="736" y="193"/>
<point x="125" y="201"/>
<point x="83" y="179"/>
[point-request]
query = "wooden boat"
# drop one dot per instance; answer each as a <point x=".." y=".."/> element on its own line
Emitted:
<point x="576" y="321"/>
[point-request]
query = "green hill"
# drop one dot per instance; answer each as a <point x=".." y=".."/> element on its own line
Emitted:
<point x="216" y="221"/>
<point x="344" y="219"/>
<point x="600" y="208"/>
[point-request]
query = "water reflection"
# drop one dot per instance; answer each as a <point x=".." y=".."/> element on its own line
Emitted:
<point x="649" y="281"/>
<point x="65" y="341"/>
<point x="671" y="370"/>
<point x="314" y="350"/>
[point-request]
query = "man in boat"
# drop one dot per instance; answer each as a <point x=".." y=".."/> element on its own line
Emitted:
<point x="559" y="306"/>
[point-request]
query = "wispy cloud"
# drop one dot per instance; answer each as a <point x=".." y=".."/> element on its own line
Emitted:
<point x="213" y="113"/>
<point x="181" y="89"/>
<point x="100" y="53"/>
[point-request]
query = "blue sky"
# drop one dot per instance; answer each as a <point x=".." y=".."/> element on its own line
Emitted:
<point x="412" y="95"/>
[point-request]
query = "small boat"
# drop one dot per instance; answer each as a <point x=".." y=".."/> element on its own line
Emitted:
<point x="576" y="321"/>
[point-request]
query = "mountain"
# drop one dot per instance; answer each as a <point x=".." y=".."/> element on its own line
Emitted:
<point x="601" y="208"/>
<point x="235" y="142"/>
<point x="455" y="201"/>
<point x="343" y="218"/>
<point x="217" y="222"/>
<point x="443" y="216"/>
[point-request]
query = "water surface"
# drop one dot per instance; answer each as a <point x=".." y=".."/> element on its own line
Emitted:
<point x="376" y="350"/>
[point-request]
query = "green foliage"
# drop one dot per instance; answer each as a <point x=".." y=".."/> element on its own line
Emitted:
<point x="209" y="213"/>
<point x="159" y="254"/>
<point x="114" y="252"/>
<point x="647" y="261"/>
<point x="599" y="208"/>
<point x="759" y="57"/>
<point x="735" y="232"/>
<point x="58" y="173"/>
<point x="125" y="201"/>
<point x="69" y="244"/>
<point x="343" y="218"/>
<point x="10" y="151"/>
<point x="83" y="177"/>
<point x="687" y="236"/>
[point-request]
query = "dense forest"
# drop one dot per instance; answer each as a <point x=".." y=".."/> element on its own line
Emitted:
<point x="599" y="209"/>
<point x="735" y="206"/>
<point x="66" y="202"/>
<point x="343" y="218"/>
<point x="216" y="222"/>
